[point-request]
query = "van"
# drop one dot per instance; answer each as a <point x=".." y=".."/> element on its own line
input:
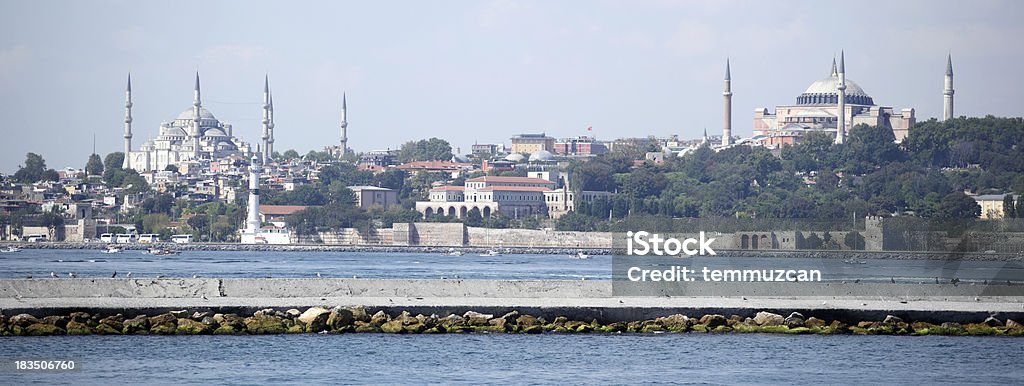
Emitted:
<point x="149" y="238"/>
<point x="181" y="239"/>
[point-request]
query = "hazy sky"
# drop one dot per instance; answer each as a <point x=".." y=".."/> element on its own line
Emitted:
<point x="477" y="71"/>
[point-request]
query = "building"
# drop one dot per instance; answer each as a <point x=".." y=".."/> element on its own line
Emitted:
<point x="367" y="196"/>
<point x="276" y="214"/>
<point x="532" y="143"/>
<point x="511" y="196"/>
<point x="486" y="149"/>
<point x="580" y="146"/>
<point x="992" y="205"/>
<point x="254" y="232"/>
<point x="818" y="108"/>
<point x="196" y="134"/>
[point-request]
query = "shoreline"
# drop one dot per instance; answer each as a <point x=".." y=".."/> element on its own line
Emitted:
<point x="236" y="247"/>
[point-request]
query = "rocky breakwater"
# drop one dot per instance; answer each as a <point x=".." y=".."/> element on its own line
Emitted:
<point x="360" y="320"/>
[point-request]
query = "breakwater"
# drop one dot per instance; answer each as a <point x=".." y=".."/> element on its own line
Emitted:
<point x="186" y="306"/>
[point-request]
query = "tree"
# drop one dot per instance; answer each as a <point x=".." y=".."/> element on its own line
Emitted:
<point x="425" y="150"/>
<point x="113" y="161"/>
<point x="52" y="219"/>
<point x="958" y="205"/>
<point x="1009" y="209"/>
<point x="854" y="240"/>
<point x="33" y="171"/>
<point x="155" y="223"/>
<point x="94" y="166"/>
<point x="290" y="154"/>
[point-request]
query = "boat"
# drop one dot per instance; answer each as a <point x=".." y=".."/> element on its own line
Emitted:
<point x="490" y="253"/>
<point x="113" y="250"/>
<point x="454" y="252"/>
<point x="581" y="256"/>
<point x="10" y="249"/>
<point x="163" y="252"/>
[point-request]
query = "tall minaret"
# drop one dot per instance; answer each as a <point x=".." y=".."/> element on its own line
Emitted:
<point x="727" y="94"/>
<point x="127" y="123"/>
<point x="252" y="222"/>
<point x="197" y="104"/>
<point x="266" y="119"/>
<point x="947" y="93"/>
<point x="270" y="141"/>
<point x="841" y="113"/>
<point x="344" y="127"/>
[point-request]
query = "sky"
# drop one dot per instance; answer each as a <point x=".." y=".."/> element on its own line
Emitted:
<point x="477" y="71"/>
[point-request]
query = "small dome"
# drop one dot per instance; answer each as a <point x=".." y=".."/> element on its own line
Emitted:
<point x="203" y="114"/>
<point x="460" y="159"/>
<point x="515" y="157"/>
<point x="541" y="156"/>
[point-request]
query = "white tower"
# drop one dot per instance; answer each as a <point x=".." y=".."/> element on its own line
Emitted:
<point x="196" y="105"/>
<point x="344" y="127"/>
<point x="727" y="94"/>
<point x="266" y="120"/>
<point x="841" y="113"/>
<point x="270" y="141"/>
<point x="252" y="222"/>
<point x="127" y="123"/>
<point x="947" y="93"/>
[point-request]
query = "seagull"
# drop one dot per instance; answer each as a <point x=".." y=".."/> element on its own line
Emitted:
<point x="195" y="276"/>
<point x="892" y="279"/>
<point x="72" y="275"/>
<point x="28" y="277"/>
<point x="159" y="276"/>
<point x="857" y="281"/>
<point x="318" y="274"/>
<point x="129" y="274"/>
<point x="53" y="274"/>
<point x="114" y="275"/>
<point x="355" y="277"/>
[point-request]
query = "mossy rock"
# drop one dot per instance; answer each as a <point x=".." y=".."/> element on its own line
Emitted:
<point x="78" y="328"/>
<point x="745" y="328"/>
<point x="368" y="328"/>
<point x="652" y="328"/>
<point x="107" y="329"/>
<point x="799" y="330"/>
<point x="532" y="330"/>
<point x="980" y="329"/>
<point x="264" y="324"/>
<point x="226" y="329"/>
<point x="38" y="329"/>
<point x="295" y="329"/>
<point x="414" y="328"/>
<point x="722" y="329"/>
<point x="489" y="329"/>
<point x="435" y="330"/>
<point x="777" y="329"/>
<point x="699" y="328"/>
<point x="392" y="327"/>
<point x="585" y="328"/>
<point x="192" y="327"/>
<point x="164" y="329"/>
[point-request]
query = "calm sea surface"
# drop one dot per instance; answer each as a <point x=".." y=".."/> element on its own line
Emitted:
<point x="521" y="359"/>
<point x="94" y="263"/>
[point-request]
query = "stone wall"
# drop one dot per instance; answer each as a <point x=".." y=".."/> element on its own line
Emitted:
<point x="486" y="237"/>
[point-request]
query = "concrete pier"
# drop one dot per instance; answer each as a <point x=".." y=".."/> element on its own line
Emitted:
<point x="583" y="300"/>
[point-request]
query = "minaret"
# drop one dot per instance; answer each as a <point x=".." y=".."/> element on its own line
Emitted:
<point x="344" y="127"/>
<point x="127" y="123"/>
<point x="266" y="119"/>
<point x="704" y="140"/>
<point x="252" y="222"/>
<point x="270" y="141"/>
<point x="727" y="94"/>
<point x="196" y="105"/>
<point x="841" y="113"/>
<point x="947" y="93"/>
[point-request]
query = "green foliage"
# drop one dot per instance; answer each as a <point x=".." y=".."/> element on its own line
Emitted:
<point x="329" y="217"/>
<point x="94" y="166"/>
<point x="113" y="161"/>
<point x="425" y="150"/>
<point x="573" y="221"/>
<point x="155" y="223"/>
<point x="35" y="170"/>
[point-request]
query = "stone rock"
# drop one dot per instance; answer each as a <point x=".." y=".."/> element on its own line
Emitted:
<point x="315" y="319"/>
<point x="993" y="322"/>
<point x="78" y="328"/>
<point x="512" y="315"/>
<point x="765" y="318"/>
<point x="795" y="320"/>
<point x="892" y="320"/>
<point x="107" y="329"/>
<point x="1013" y="325"/>
<point x="392" y="327"/>
<point x="339" y="318"/>
<point x="560" y="321"/>
<point x="712" y="321"/>
<point x="675" y="322"/>
<point x="527" y="321"/>
<point x="56" y="320"/>
<point x="814" y="322"/>
<point x="43" y="329"/>
<point x="208" y="321"/>
<point x="379" y="319"/>
<point x="199" y="315"/>
<point x="23" y="320"/>
<point x="264" y="324"/>
<point x="451" y="321"/>
<point x="114" y="322"/>
<point x="136" y="325"/>
<point x="225" y="329"/>
<point x="293" y="313"/>
<point x="179" y="314"/>
<point x="192" y="327"/>
<point x="477" y="319"/>
<point x="219" y="318"/>
<point x="80" y="317"/>
<point x="359" y="313"/>
<point x="234" y="320"/>
<point x="162" y="319"/>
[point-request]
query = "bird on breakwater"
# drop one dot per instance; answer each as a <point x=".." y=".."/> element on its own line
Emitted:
<point x="114" y="275"/>
<point x="857" y="281"/>
<point x="318" y="274"/>
<point x="129" y="274"/>
<point x="893" y="280"/>
<point x="28" y="277"/>
<point x="955" y="281"/>
<point x="53" y="274"/>
<point x="195" y="276"/>
<point x="159" y="276"/>
<point x="355" y="277"/>
<point x="72" y="275"/>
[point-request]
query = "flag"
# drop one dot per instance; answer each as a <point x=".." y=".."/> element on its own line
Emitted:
<point x="590" y="128"/>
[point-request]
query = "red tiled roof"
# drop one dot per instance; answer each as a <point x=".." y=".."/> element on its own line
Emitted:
<point x="283" y="210"/>
<point x="447" y="187"/>
<point x="501" y="179"/>
<point x="446" y="165"/>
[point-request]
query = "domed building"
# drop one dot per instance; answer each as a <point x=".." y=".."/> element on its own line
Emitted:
<point x="817" y="109"/>
<point x="195" y="135"/>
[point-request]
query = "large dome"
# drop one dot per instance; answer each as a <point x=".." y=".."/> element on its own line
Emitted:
<point x="203" y="114"/>
<point x="829" y="86"/>
<point x="825" y="92"/>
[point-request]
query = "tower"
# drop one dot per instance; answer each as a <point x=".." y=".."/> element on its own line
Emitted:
<point x="727" y="94"/>
<point x="841" y="111"/>
<point x="344" y="127"/>
<point x="269" y="150"/>
<point x="197" y="104"/>
<point x="127" y="123"/>
<point x="252" y="222"/>
<point x="947" y="93"/>
<point x="266" y="119"/>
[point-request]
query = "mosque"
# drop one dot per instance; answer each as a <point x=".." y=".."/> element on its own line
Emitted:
<point x="196" y="135"/>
